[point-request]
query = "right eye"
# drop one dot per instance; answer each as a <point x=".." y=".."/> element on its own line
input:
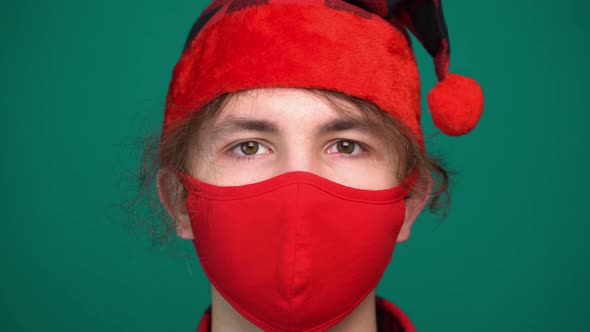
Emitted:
<point x="248" y="149"/>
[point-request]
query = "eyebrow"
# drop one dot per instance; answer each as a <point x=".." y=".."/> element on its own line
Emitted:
<point x="337" y="125"/>
<point x="237" y="124"/>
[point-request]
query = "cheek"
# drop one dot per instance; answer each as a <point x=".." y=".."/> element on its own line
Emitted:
<point x="204" y="168"/>
<point x="232" y="173"/>
<point x="372" y="176"/>
<point x="241" y="176"/>
<point x="359" y="175"/>
<point x="373" y="172"/>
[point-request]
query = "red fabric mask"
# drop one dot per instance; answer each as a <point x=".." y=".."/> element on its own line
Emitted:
<point x="296" y="252"/>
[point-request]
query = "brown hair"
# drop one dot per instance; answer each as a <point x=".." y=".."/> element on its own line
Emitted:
<point x="173" y="151"/>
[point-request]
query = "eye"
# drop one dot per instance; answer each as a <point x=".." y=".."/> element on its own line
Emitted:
<point x="249" y="149"/>
<point x="346" y="147"/>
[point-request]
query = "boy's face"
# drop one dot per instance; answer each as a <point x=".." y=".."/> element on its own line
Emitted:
<point x="272" y="131"/>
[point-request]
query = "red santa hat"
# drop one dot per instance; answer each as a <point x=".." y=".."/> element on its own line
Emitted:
<point x="361" y="48"/>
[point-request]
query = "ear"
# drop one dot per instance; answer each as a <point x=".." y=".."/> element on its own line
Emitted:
<point x="169" y="189"/>
<point x="415" y="204"/>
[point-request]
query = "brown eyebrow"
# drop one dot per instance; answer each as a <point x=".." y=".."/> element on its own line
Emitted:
<point x="344" y="124"/>
<point x="237" y="124"/>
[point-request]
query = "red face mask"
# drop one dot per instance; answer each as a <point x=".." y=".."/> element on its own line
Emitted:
<point x="296" y="252"/>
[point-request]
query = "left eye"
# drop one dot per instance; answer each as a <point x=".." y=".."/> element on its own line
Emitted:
<point x="345" y="147"/>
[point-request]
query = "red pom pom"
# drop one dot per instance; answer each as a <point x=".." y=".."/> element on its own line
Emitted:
<point x="456" y="104"/>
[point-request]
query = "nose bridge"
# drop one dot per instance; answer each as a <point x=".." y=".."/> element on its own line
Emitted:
<point x="299" y="156"/>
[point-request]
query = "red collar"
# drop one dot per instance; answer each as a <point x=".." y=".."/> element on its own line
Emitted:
<point x="390" y="318"/>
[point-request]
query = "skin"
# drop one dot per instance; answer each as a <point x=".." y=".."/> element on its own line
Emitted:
<point x="237" y="156"/>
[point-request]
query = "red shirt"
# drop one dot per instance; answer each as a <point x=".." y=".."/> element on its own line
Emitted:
<point x="389" y="318"/>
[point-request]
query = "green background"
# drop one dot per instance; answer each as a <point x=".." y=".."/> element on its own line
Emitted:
<point x="82" y="82"/>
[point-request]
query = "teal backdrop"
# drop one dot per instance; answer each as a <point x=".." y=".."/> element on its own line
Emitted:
<point x="82" y="81"/>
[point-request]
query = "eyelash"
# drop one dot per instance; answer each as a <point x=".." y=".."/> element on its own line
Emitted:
<point x="361" y="154"/>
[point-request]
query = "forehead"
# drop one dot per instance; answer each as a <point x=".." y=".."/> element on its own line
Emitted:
<point x="289" y="106"/>
<point x="288" y="111"/>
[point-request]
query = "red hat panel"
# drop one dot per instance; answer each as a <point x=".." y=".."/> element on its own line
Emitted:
<point x="360" y="48"/>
